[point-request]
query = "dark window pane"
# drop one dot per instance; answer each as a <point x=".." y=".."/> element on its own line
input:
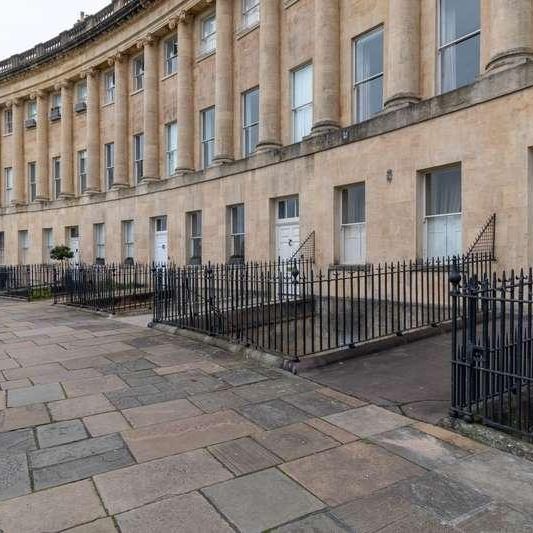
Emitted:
<point x="458" y="18"/>
<point x="443" y="191"/>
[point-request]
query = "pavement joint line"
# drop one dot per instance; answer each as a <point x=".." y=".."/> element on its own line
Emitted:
<point x="217" y="510"/>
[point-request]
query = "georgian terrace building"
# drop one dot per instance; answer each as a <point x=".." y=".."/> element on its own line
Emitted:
<point x="202" y="130"/>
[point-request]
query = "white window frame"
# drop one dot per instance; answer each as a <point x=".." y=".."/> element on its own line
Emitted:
<point x="356" y="229"/>
<point x="2" y="248"/>
<point x="8" y="121"/>
<point x="441" y="48"/>
<point x="249" y="128"/>
<point x="128" y="239"/>
<point x="24" y="246"/>
<point x="207" y="143"/>
<point x="251" y="10"/>
<point x="235" y="234"/>
<point x="285" y="203"/>
<point x="32" y="180"/>
<point x="138" y="157"/>
<point x="81" y="92"/>
<point x="56" y="102"/>
<point x="48" y="243"/>
<point x="302" y="108"/>
<point x="31" y="110"/>
<point x="109" y="86"/>
<point x="82" y="170"/>
<point x="99" y="241"/>
<point x="208" y="39"/>
<point x="171" y="140"/>
<point x="56" y="176"/>
<point x="445" y="217"/>
<point x="171" y="55"/>
<point x="109" y="156"/>
<point x="8" y="184"/>
<point x="357" y="84"/>
<point x="195" y="239"/>
<point x="138" y="73"/>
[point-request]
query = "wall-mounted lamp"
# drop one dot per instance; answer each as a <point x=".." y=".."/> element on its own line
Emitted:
<point x="389" y="175"/>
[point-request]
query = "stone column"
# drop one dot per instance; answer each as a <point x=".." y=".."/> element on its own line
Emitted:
<point x="67" y="167"/>
<point x="326" y="67"/>
<point x="402" y="77"/>
<point x="185" y="104"/>
<point x="93" y="131"/>
<point x="19" y="176"/>
<point x="511" y="34"/>
<point x="43" y="193"/>
<point x="151" y="109"/>
<point x="121" y="121"/>
<point x="269" y="77"/>
<point x="224" y="83"/>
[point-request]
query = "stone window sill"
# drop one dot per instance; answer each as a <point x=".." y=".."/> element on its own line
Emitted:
<point x="242" y="32"/>
<point x="107" y="104"/>
<point x="205" y="55"/>
<point x="137" y="92"/>
<point x="168" y="76"/>
<point x="289" y="3"/>
<point x="7" y="134"/>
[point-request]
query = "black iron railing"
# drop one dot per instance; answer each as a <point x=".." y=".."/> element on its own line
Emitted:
<point x="492" y="350"/>
<point x="106" y="288"/>
<point x="291" y="309"/>
<point x="29" y="282"/>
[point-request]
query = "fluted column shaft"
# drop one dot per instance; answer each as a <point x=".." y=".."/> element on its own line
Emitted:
<point x="151" y="110"/>
<point x="67" y="167"/>
<point x="93" y="131"/>
<point x="185" y="103"/>
<point x="224" y="83"/>
<point x="402" y="78"/>
<point x="19" y="176"/>
<point x="43" y="193"/>
<point x="511" y="35"/>
<point x="326" y="67"/>
<point x="121" y="123"/>
<point x="269" y="76"/>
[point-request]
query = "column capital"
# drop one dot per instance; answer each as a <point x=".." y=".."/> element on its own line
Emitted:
<point x="64" y="84"/>
<point x="40" y="93"/>
<point x="148" y="40"/>
<point x="185" y="17"/>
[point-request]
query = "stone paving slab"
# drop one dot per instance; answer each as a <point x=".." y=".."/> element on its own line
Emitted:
<point x="243" y="456"/>
<point x="21" y="440"/>
<point x="79" y="407"/>
<point x="350" y="471"/>
<point x="105" y="423"/>
<point x="36" y="394"/>
<point x="16" y="384"/>
<point x="137" y="485"/>
<point x="273" y="414"/>
<point x="498" y="518"/>
<point x="316" y="404"/>
<point x="60" y="433"/>
<point x="205" y="366"/>
<point x="161" y="412"/>
<point x="190" y="513"/>
<point x="217" y="401"/>
<point x="240" y="376"/>
<point x="318" y="523"/>
<point x="293" y="442"/>
<point x="23" y="417"/>
<point x="91" y="386"/>
<point x="368" y="420"/>
<point x="271" y="390"/>
<point x="14" y="476"/>
<point x="103" y="525"/>
<point x="179" y="436"/>
<point x="51" y="510"/>
<point x="332" y="431"/>
<point x="261" y="501"/>
<point x="420" y="448"/>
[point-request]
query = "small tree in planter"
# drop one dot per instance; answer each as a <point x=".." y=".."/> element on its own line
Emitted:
<point x="61" y="253"/>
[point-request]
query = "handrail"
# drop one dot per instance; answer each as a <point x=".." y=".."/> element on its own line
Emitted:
<point x="84" y="30"/>
<point x="485" y="242"/>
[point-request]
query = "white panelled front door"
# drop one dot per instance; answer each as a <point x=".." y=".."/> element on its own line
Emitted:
<point x="74" y="244"/>
<point x="160" y="247"/>
<point x="288" y="239"/>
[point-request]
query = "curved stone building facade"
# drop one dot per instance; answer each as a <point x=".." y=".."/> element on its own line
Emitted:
<point x="209" y="130"/>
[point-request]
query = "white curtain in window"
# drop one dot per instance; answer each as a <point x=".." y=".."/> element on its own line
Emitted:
<point x="444" y="236"/>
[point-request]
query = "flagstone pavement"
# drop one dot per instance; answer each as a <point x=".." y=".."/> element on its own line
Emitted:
<point x="107" y="426"/>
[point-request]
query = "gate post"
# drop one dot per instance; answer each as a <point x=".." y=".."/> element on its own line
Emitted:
<point x="455" y="279"/>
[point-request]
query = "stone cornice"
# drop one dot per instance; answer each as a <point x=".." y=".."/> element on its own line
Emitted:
<point x="91" y="27"/>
